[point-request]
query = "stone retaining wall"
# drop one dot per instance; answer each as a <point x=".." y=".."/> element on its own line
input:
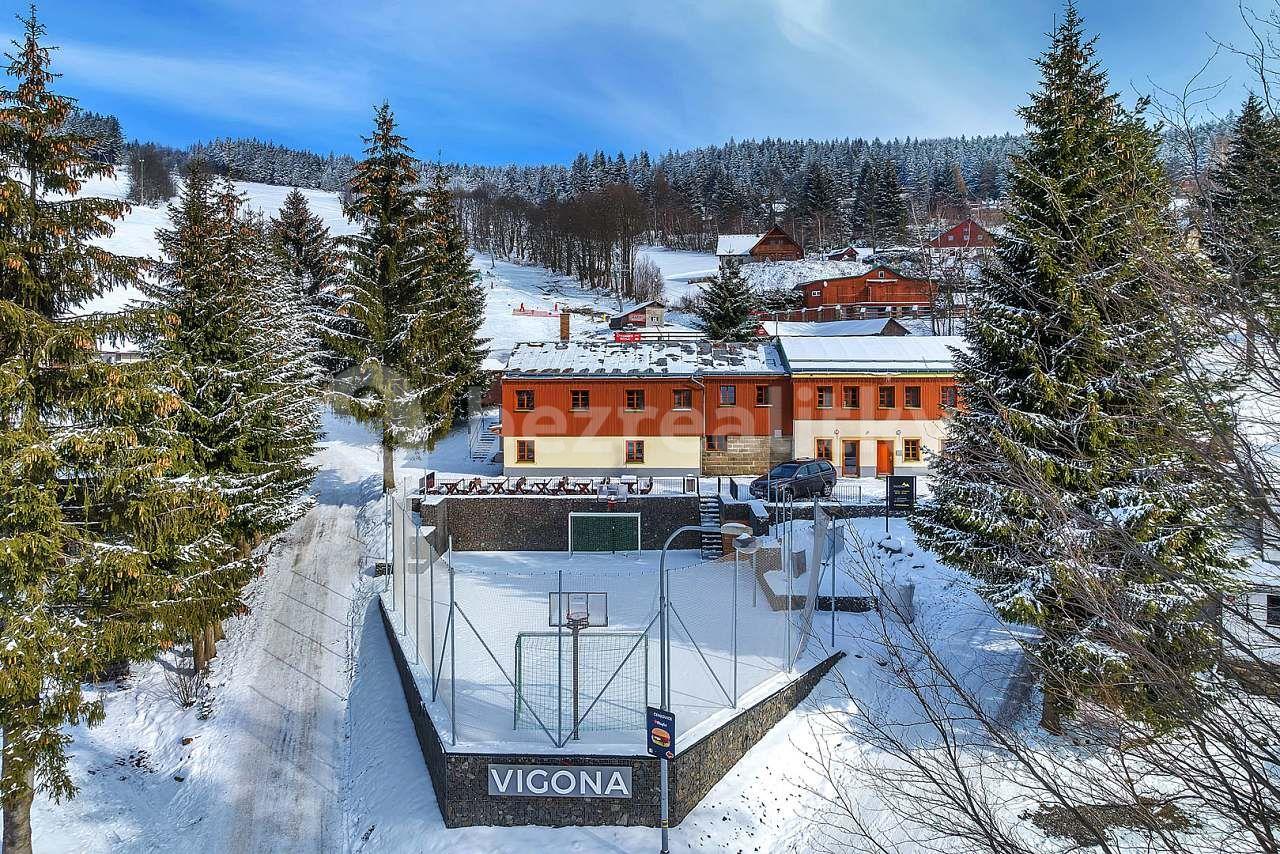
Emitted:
<point x="460" y="780"/>
<point x="541" y="523"/>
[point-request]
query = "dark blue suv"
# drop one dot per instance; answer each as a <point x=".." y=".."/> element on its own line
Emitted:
<point x="795" y="479"/>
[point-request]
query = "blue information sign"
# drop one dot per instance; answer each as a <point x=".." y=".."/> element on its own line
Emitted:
<point x="662" y="733"/>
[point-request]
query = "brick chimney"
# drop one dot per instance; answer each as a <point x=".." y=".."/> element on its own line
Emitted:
<point x="564" y="325"/>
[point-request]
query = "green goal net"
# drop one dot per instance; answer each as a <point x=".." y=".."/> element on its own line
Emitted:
<point x="605" y="678"/>
<point x="604" y="532"/>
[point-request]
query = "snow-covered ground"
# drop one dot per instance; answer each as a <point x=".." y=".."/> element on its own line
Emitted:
<point x="682" y="269"/>
<point x="305" y="743"/>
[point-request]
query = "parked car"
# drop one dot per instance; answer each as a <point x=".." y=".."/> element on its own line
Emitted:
<point x="795" y="479"/>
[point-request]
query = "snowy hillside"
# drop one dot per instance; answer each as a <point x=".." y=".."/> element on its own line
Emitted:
<point x="515" y="292"/>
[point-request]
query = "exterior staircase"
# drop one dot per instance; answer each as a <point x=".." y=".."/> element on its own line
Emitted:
<point x="483" y="441"/>
<point x="709" y="514"/>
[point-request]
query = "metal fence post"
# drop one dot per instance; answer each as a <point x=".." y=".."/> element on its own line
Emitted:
<point x="386" y="544"/>
<point x="559" y="659"/>
<point x="453" y="655"/>
<point x="417" y="592"/>
<point x="431" y="621"/>
<point x="735" y="626"/>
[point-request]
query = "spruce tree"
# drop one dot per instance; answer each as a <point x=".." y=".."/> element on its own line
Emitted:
<point x="102" y="542"/>
<point x="725" y="306"/>
<point x="1066" y="490"/>
<point x="460" y="298"/>
<point x="303" y="244"/>
<point x="397" y="382"/>
<point x="890" y="209"/>
<point x="1243" y="236"/>
<point x="240" y="341"/>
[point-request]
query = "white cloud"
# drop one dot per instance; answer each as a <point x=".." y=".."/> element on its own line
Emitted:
<point x="232" y="87"/>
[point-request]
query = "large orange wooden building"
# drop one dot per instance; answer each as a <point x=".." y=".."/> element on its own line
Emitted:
<point x="869" y="404"/>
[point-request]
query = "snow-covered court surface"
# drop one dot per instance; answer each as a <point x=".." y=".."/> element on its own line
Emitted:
<point x="500" y="665"/>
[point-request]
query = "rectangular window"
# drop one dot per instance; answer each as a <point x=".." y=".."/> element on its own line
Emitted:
<point x="635" y="399"/>
<point x="682" y="398"/>
<point x="579" y="399"/>
<point x="524" y="400"/>
<point x="826" y="396"/>
<point x="822" y="449"/>
<point x="717" y="443"/>
<point x="762" y="395"/>
<point x="888" y="399"/>
<point x="950" y="396"/>
<point x="911" y="397"/>
<point x="524" y="450"/>
<point x="728" y="395"/>
<point x="635" y="450"/>
<point x="850" y="397"/>
<point x="1273" y="609"/>
<point x="911" y="450"/>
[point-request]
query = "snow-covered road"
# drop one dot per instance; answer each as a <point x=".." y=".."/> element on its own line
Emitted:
<point x="272" y="782"/>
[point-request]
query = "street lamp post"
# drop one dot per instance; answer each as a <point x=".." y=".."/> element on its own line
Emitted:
<point x="664" y="654"/>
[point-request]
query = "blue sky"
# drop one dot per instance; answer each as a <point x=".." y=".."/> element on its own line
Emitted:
<point x="527" y="81"/>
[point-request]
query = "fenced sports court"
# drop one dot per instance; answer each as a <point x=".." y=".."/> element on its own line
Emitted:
<point x="532" y="651"/>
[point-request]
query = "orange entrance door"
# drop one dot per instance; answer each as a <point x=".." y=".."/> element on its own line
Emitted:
<point x="849" y="457"/>
<point x="884" y="457"/>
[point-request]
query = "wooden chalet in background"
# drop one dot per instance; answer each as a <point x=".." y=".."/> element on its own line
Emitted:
<point x="774" y="245"/>
<point x="965" y="235"/>
<point x="880" y="289"/>
<point x="645" y="314"/>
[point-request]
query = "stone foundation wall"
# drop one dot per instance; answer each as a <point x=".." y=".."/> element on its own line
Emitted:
<point x="541" y="523"/>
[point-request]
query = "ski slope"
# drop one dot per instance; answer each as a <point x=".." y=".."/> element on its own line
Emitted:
<point x="508" y="286"/>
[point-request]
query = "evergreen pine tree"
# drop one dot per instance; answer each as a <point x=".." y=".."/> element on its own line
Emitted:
<point x="1065" y="489"/>
<point x="459" y="297"/>
<point x="890" y="209"/>
<point x="241" y="342"/>
<point x="101" y="542"/>
<point x="302" y="243"/>
<point x="1244" y="201"/>
<point x="725" y="306"/>
<point x="397" y="382"/>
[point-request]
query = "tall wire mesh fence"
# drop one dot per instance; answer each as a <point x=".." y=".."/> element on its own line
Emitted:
<point x="494" y="639"/>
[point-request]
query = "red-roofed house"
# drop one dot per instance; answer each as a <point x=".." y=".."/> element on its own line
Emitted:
<point x="965" y="235"/>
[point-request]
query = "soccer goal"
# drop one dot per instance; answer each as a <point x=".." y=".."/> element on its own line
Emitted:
<point x="604" y="532"/>
<point x="588" y="681"/>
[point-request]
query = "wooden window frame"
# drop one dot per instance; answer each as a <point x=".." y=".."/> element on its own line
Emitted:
<point x="586" y="399"/>
<point x="687" y="393"/>
<point x="906" y="397"/>
<point x="950" y="396"/>
<point x="733" y="395"/>
<point x="717" y="444"/>
<point x="763" y="398"/>
<point x="916" y="457"/>
<point x="847" y="392"/>
<point x="639" y="393"/>
<point x="892" y="395"/>
<point x="634" y="450"/>
<point x="830" y="395"/>
<point x="1272" y="610"/>
<point x="817" y="445"/>
<point x="525" y="451"/>
<point x="520" y="397"/>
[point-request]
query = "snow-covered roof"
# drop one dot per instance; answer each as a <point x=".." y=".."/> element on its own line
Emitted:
<point x="638" y="306"/>
<point x="737" y="244"/>
<point x="828" y="329"/>
<point x="870" y="354"/>
<point x="642" y="358"/>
